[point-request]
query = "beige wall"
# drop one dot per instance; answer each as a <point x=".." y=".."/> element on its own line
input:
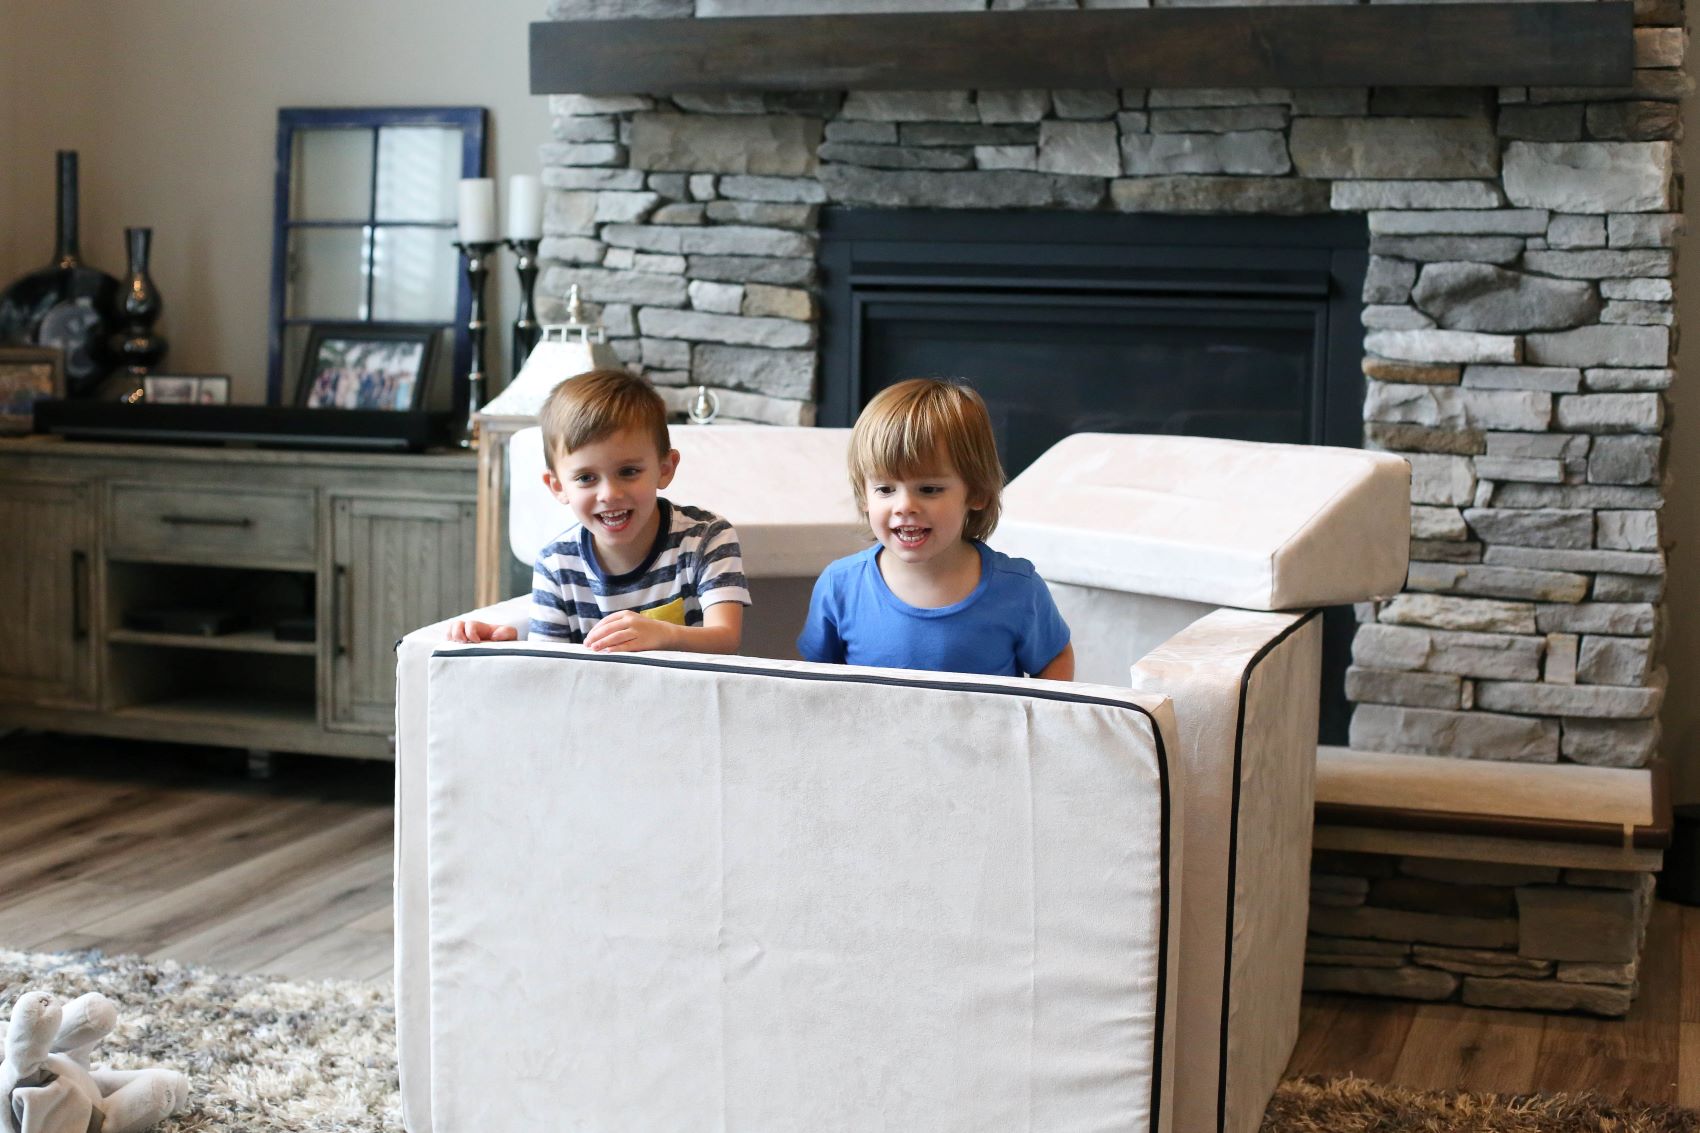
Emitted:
<point x="9" y="99"/>
<point x="172" y="105"/>
<point x="45" y="96"/>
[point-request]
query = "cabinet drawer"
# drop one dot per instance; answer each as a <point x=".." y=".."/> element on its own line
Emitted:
<point x="251" y="525"/>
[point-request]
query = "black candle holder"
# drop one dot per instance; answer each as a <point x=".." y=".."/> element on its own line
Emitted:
<point x="527" y="330"/>
<point x="477" y="255"/>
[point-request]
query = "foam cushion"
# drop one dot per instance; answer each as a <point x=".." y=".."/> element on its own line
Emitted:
<point x="785" y="489"/>
<point x="960" y="918"/>
<point x="1231" y="523"/>
<point x="1244" y="689"/>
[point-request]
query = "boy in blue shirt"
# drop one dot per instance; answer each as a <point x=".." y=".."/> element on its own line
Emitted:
<point x="930" y="594"/>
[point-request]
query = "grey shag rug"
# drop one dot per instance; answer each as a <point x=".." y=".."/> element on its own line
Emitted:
<point x="263" y="1055"/>
<point x="266" y="1055"/>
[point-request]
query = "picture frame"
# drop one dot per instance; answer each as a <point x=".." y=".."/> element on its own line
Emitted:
<point x="382" y="366"/>
<point x="28" y="374"/>
<point x="212" y="389"/>
<point x="186" y="389"/>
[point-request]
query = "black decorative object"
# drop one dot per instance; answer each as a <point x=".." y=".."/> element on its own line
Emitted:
<point x="527" y="330"/>
<point x="135" y="346"/>
<point x="478" y="256"/>
<point x="65" y="305"/>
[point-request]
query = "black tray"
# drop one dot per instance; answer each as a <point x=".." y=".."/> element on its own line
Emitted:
<point x="267" y="426"/>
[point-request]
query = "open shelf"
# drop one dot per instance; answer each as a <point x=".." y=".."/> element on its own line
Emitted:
<point x="237" y="709"/>
<point x="237" y="684"/>
<point x="242" y="641"/>
<point x="254" y="598"/>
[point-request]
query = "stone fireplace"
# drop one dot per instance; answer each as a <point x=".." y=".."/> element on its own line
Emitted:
<point x="1517" y="331"/>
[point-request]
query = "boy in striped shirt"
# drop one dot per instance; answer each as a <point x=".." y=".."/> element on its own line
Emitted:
<point x="636" y="571"/>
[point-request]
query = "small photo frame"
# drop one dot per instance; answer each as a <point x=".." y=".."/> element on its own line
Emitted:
<point x="212" y="389"/>
<point x="28" y="374"/>
<point x="169" y="389"/>
<point x="365" y="366"/>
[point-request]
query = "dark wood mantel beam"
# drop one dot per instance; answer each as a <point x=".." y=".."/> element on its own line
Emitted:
<point x="1472" y="44"/>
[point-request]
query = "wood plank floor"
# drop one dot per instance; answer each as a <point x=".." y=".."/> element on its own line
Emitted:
<point x="176" y="853"/>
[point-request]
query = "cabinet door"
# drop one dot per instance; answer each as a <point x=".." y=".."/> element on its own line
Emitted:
<point x="46" y="593"/>
<point x="396" y="564"/>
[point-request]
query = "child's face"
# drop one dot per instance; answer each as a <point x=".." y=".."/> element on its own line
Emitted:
<point x="611" y="485"/>
<point x="919" y="518"/>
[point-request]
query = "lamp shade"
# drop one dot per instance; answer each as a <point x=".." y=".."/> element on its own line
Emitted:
<point x="562" y="352"/>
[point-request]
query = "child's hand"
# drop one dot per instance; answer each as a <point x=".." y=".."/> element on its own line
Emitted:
<point x="471" y="631"/>
<point x="629" y="632"/>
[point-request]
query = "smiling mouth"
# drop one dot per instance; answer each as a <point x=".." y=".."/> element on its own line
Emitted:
<point x="613" y="521"/>
<point x="909" y="537"/>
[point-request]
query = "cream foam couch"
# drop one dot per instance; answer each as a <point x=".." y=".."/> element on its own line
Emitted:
<point x="675" y="891"/>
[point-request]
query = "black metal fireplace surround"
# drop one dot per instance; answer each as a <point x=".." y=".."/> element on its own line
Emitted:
<point x="1240" y="327"/>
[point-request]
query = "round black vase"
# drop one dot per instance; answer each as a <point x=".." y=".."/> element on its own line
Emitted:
<point x="66" y="305"/>
<point x="136" y="347"/>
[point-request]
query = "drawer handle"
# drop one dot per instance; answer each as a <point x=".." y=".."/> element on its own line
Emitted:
<point x="79" y="595"/>
<point x="343" y="614"/>
<point x="206" y="521"/>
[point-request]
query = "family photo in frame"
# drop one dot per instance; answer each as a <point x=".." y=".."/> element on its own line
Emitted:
<point x="366" y="366"/>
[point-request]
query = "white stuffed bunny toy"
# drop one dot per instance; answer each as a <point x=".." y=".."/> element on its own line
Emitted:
<point x="46" y="1085"/>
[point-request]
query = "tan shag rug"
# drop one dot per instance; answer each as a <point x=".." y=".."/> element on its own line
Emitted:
<point x="1353" y="1105"/>
<point x="266" y="1055"/>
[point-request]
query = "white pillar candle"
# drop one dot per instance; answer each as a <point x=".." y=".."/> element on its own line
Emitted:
<point x="477" y="210"/>
<point x="525" y="207"/>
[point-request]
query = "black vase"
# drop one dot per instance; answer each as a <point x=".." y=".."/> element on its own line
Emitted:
<point x="66" y="304"/>
<point x="136" y="347"/>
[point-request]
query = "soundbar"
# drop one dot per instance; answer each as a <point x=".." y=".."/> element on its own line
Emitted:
<point x="264" y="426"/>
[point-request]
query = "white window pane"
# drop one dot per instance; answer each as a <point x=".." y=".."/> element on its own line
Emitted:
<point x="327" y="273"/>
<point x="418" y="169"/>
<point x="332" y="173"/>
<point x="414" y="275"/>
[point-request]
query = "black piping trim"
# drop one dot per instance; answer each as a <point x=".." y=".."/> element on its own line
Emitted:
<point x="849" y="675"/>
<point x="1233" y="862"/>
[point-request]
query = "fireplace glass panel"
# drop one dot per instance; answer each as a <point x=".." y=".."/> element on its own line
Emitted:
<point x="1077" y="364"/>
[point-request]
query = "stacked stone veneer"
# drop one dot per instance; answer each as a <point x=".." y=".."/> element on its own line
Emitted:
<point x="1492" y="935"/>
<point x="1519" y="331"/>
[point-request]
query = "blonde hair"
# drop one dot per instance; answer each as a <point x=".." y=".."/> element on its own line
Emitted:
<point x="596" y="404"/>
<point x="907" y="427"/>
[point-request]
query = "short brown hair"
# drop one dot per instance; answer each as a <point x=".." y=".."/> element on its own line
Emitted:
<point x="596" y="404"/>
<point x="907" y="426"/>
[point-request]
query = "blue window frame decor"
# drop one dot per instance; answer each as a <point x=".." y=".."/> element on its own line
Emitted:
<point x="365" y="204"/>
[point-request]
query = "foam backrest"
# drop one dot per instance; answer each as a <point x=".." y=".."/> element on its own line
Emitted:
<point x="1232" y="523"/>
<point x="784" y="489"/>
<point x="796" y="896"/>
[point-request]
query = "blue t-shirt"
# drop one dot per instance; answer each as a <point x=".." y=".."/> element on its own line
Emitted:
<point x="1008" y="626"/>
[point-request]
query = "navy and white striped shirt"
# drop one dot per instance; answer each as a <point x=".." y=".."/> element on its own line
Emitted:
<point x="694" y="563"/>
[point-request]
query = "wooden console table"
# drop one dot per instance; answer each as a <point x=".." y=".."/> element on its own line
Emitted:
<point x="364" y="547"/>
